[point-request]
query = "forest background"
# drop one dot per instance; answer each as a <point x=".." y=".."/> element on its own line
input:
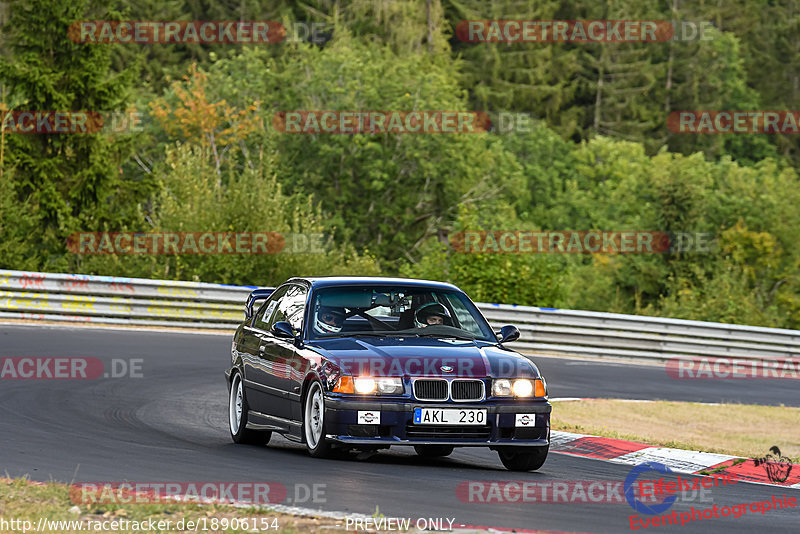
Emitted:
<point x="592" y="153"/>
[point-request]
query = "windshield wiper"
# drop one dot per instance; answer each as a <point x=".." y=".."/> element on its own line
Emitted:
<point x="450" y="336"/>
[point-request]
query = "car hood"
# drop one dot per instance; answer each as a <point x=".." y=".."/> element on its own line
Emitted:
<point x="412" y="356"/>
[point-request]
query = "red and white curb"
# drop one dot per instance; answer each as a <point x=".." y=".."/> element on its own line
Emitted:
<point x="678" y="460"/>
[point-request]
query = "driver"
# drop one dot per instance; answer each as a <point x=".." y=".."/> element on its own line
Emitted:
<point x="329" y="319"/>
<point x="431" y="314"/>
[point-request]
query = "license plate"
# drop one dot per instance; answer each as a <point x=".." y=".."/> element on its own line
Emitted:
<point x="449" y="416"/>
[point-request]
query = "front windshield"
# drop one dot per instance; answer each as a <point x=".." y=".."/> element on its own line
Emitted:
<point x="396" y="311"/>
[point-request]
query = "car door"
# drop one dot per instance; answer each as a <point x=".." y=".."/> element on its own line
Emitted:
<point x="282" y="352"/>
<point x="261" y="395"/>
<point x="294" y="313"/>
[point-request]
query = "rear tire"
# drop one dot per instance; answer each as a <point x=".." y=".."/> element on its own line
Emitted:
<point x="523" y="459"/>
<point x="433" y="451"/>
<point x="314" y="422"/>
<point x="237" y="416"/>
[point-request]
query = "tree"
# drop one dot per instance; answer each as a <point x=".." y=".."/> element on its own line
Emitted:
<point x="386" y="192"/>
<point x="537" y="78"/>
<point x="710" y="75"/>
<point x="192" y="198"/>
<point x="529" y="279"/>
<point x="72" y="180"/>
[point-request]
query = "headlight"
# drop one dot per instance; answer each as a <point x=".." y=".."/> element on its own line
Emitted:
<point x="520" y="387"/>
<point x="366" y="385"/>
<point x="501" y="387"/>
<point x="390" y="386"/>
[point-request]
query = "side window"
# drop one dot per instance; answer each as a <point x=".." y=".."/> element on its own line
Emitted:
<point x="291" y="307"/>
<point x="264" y="313"/>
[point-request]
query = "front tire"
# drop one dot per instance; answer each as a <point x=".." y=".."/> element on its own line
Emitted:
<point x="523" y="459"/>
<point x="433" y="451"/>
<point x="237" y="416"/>
<point x="314" y="422"/>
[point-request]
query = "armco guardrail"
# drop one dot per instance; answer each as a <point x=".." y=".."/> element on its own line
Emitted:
<point x="137" y="301"/>
<point x="640" y="337"/>
<point x="115" y="300"/>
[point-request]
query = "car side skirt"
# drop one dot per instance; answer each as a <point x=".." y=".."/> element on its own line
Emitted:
<point x="292" y="430"/>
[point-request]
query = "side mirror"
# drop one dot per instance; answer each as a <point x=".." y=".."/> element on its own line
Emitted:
<point x="283" y="329"/>
<point x="508" y="333"/>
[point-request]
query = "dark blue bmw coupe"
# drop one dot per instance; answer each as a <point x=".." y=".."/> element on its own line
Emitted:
<point x="368" y="363"/>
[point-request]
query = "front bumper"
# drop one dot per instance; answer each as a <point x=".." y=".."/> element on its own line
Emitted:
<point x="397" y="427"/>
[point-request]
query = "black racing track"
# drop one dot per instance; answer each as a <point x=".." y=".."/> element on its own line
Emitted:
<point x="170" y="425"/>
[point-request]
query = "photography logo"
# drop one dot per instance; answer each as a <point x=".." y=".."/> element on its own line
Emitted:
<point x="777" y="466"/>
<point x="369" y="418"/>
<point x="630" y="485"/>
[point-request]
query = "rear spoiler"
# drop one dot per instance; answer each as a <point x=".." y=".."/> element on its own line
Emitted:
<point x="257" y="294"/>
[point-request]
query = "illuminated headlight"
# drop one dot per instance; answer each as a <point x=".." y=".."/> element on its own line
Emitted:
<point x="520" y="387"/>
<point x="365" y="384"/>
<point x="382" y="386"/>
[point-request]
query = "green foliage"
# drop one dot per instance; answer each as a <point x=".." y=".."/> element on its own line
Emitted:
<point x="598" y="155"/>
<point x="192" y="198"/>
<point x="18" y="222"/>
<point x="528" y="279"/>
<point x="388" y="192"/>
<point x="536" y="78"/>
<point x="749" y="275"/>
<point x="73" y="181"/>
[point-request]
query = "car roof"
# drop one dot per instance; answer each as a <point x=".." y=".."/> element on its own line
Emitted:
<point x="341" y="281"/>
